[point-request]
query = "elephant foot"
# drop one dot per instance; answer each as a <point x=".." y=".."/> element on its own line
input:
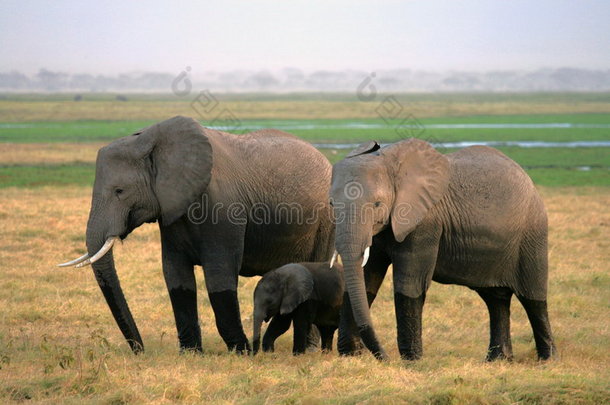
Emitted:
<point x="240" y="348"/>
<point x="349" y="347"/>
<point x="410" y="352"/>
<point x="499" y="353"/>
<point x="191" y="345"/>
<point x="411" y="356"/>
<point x="548" y="353"/>
<point x="195" y="350"/>
<point x="135" y="346"/>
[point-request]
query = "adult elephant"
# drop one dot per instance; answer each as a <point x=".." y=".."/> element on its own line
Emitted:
<point x="471" y="218"/>
<point x="234" y="204"/>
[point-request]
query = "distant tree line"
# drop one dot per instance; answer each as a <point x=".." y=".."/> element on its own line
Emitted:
<point x="292" y="79"/>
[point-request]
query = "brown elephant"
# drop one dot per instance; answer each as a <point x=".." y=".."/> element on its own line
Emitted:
<point x="472" y="218"/>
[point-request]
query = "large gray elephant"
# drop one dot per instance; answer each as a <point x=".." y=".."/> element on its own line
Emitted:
<point x="472" y="218"/>
<point x="234" y="204"/>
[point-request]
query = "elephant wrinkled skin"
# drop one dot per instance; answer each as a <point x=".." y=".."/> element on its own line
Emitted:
<point x="472" y="217"/>
<point x="234" y="204"/>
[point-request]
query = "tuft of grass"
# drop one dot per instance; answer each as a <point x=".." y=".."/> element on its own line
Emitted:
<point x="59" y="343"/>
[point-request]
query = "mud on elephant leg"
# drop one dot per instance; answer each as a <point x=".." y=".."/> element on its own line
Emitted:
<point x="539" y="319"/>
<point x="228" y="320"/>
<point x="181" y="285"/>
<point x="409" y="325"/>
<point x="498" y="305"/>
<point x="184" y="303"/>
<point x="221" y="282"/>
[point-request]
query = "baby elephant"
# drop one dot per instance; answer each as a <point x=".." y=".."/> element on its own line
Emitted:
<point x="304" y="293"/>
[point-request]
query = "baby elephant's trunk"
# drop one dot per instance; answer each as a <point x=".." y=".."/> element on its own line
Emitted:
<point x="256" y="335"/>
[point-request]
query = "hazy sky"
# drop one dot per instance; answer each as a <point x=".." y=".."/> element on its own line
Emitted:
<point x="122" y="36"/>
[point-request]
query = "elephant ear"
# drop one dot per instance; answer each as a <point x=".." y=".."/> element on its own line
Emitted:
<point x="298" y="286"/>
<point x="366" y="147"/>
<point x="181" y="157"/>
<point x="421" y="179"/>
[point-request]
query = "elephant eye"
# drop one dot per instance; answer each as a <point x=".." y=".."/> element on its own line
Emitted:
<point x="118" y="191"/>
<point x="377" y="203"/>
<point x="330" y="202"/>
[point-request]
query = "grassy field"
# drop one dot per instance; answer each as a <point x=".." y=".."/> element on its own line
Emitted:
<point x="41" y="164"/>
<point x="59" y="343"/>
<point x="26" y="108"/>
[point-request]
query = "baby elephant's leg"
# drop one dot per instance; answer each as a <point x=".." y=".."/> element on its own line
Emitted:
<point x="327" y="333"/>
<point x="277" y="327"/>
<point x="302" y="317"/>
<point x="313" y="339"/>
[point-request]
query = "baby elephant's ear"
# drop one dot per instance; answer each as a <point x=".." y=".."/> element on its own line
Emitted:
<point x="298" y="286"/>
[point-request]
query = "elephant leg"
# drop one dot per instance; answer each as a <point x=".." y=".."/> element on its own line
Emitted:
<point x="498" y="304"/>
<point x="414" y="262"/>
<point x="539" y="319"/>
<point x="277" y="327"/>
<point x="327" y="333"/>
<point x="349" y="342"/>
<point x="182" y="288"/>
<point x="313" y="339"/>
<point x="222" y="289"/>
<point x="409" y="325"/>
<point x="302" y="320"/>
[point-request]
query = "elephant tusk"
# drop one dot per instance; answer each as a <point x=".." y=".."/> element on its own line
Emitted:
<point x="334" y="258"/>
<point x="366" y="256"/>
<point x="75" y="261"/>
<point x="107" y="246"/>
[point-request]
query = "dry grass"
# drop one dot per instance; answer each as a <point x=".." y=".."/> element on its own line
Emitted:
<point x="58" y="342"/>
<point x="48" y="153"/>
<point x="25" y="111"/>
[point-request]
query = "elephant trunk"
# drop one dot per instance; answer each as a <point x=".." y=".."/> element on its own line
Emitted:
<point x="256" y="335"/>
<point x="107" y="279"/>
<point x="355" y="285"/>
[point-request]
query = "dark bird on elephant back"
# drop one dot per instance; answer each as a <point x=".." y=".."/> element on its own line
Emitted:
<point x="206" y="189"/>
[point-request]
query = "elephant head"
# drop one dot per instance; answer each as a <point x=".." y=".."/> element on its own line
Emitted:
<point x="154" y="175"/>
<point x="280" y="291"/>
<point x="375" y="188"/>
